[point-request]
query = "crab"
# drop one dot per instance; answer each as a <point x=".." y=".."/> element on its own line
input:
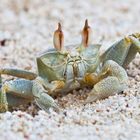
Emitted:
<point x="65" y="68"/>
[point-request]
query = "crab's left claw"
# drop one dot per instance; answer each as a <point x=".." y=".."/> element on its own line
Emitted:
<point x="112" y="79"/>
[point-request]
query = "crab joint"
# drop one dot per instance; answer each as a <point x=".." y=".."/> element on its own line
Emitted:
<point x="58" y="38"/>
<point x="128" y="39"/>
<point x="136" y="35"/>
<point x="86" y="34"/>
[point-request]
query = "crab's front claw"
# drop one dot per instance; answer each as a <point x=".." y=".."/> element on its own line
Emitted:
<point x="43" y="100"/>
<point x="123" y="51"/>
<point x="112" y="79"/>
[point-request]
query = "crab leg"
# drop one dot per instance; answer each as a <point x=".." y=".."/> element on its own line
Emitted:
<point x="113" y="79"/>
<point x="135" y="47"/>
<point x="16" y="92"/>
<point x="18" y="73"/>
<point x="3" y="101"/>
<point x="123" y="51"/>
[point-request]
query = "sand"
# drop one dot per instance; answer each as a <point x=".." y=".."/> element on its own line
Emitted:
<point x="26" y="29"/>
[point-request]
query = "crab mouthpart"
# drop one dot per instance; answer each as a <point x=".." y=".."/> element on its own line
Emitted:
<point x="58" y="38"/>
<point x="86" y="34"/>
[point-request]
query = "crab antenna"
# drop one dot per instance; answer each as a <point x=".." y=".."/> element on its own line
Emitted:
<point x="58" y="39"/>
<point x="86" y="34"/>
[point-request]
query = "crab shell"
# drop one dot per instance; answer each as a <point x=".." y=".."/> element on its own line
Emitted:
<point x="69" y="65"/>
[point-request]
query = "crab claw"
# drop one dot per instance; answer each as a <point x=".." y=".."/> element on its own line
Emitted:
<point x="58" y="38"/>
<point x="86" y="34"/>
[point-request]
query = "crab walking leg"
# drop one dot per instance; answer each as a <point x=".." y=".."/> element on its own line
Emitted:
<point x="15" y="93"/>
<point x="7" y="86"/>
<point x="135" y="47"/>
<point x="0" y="79"/>
<point x="18" y="73"/>
<point x="123" y="51"/>
<point x="113" y="80"/>
<point x="3" y="101"/>
<point x="41" y="96"/>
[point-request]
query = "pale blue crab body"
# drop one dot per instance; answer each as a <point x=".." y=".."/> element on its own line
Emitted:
<point x="69" y="66"/>
<point x="63" y="69"/>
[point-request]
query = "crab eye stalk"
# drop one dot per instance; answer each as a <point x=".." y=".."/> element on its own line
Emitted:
<point x="86" y="34"/>
<point x="58" y="38"/>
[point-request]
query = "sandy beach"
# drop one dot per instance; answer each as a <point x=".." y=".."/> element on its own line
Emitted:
<point x="27" y="27"/>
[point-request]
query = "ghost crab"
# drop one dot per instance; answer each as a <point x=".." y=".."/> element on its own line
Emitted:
<point x="66" y="68"/>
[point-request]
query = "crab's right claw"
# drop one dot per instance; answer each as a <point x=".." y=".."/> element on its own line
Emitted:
<point x="46" y="102"/>
<point x="43" y="100"/>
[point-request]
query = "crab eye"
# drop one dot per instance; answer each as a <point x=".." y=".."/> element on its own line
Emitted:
<point x="58" y="38"/>
<point x="86" y="34"/>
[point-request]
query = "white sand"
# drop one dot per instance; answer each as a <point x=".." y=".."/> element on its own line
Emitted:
<point x="29" y="27"/>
